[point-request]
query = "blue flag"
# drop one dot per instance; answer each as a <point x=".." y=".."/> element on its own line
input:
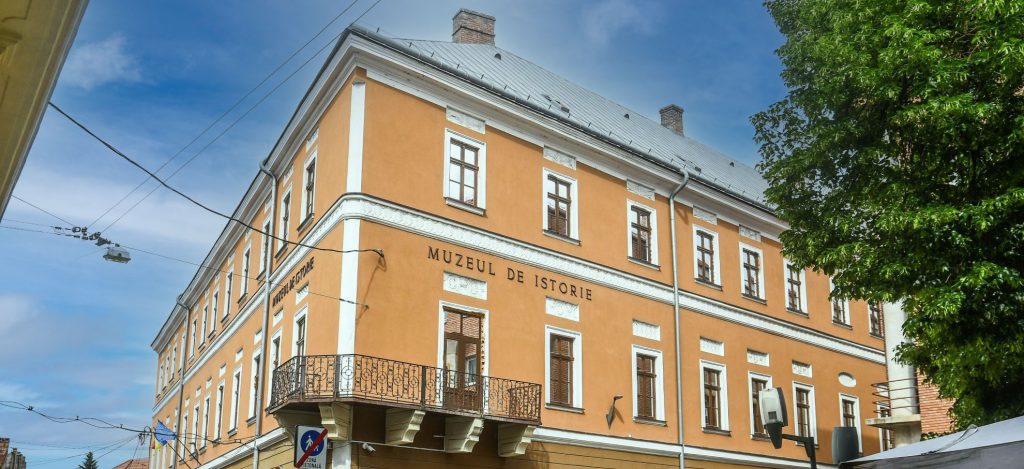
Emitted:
<point x="162" y="434"/>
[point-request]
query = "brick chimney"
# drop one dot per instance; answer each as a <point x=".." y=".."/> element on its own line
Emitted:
<point x="672" y="118"/>
<point x="471" y="27"/>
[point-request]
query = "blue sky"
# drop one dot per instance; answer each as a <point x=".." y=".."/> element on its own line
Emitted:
<point x="150" y="76"/>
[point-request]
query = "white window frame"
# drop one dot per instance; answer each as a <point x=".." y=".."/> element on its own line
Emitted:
<point x="256" y="369"/>
<point x="880" y="407"/>
<point x="856" y="417"/>
<point x="484" y="340"/>
<point x="846" y="306"/>
<point x="750" y="392"/>
<point x="786" y="264"/>
<point x="192" y="345"/>
<point x="481" y="180"/>
<point x="305" y="180"/>
<point x="229" y="280"/>
<point x="577" y="364"/>
<point x="574" y="207"/>
<point x="219" y="415"/>
<point x="301" y="314"/>
<point x="654" y="229"/>
<point x="282" y="231"/>
<point x="246" y="260"/>
<point x="195" y="427"/>
<point x="184" y="425"/>
<point x="213" y="311"/>
<point x="760" y="270"/>
<point x="275" y="342"/>
<point x="265" y="245"/>
<point x="814" y="410"/>
<point x="236" y="383"/>
<point x="659" y="380"/>
<point x="206" y="420"/>
<point x="724" y="385"/>
<point x="312" y="138"/>
<point x="716" y="272"/>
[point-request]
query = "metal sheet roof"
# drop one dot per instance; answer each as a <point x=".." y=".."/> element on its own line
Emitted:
<point x="530" y="82"/>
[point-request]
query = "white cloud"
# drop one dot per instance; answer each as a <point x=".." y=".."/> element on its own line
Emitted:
<point x="610" y="17"/>
<point x="98" y="63"/>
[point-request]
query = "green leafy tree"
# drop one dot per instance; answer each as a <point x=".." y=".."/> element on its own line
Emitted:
<point x="89" y="462"/>
<point x="897" y="158"/>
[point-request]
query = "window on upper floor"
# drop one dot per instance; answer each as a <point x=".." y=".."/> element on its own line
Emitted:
<point x="229" y="281"/>
<point x="643" y="243"/>
<point x="202" y="332"/>
<point x="803" y="409"/>
<point x="308" y="188"/>
<point x="560" y="205"/>
<point x="716" y="401"/>
<point x="192" y="343"/>
<point x="840" y="308"/>
<point x="465" y="178"/>
<point x="705" y="265"/>
<point x="758" y="383"/>
<point x="246" y="259"/>
<point x="282" y="234"/>
<point x="751" y="272"/>
<point x="213" y="312"/>
<point x="796" y="289"/>
<point x="648" y="384"/>
<point x="876" y="319"/>
<point x="264" y="246"/>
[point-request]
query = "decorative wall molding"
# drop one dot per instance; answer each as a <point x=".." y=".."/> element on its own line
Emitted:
<point x="466" y="120"/>
<point x="757" y="358"/>
<point x="847" y="380"/>
<point x="465" y="286"/>
<point x="712" y="346"/>
<point x="802" y="369"/>
<point x="562" y="309"/>
<point x="639" y="189"/>
<point x="750" y="233"/>
<point x="705" y="215"/>
<point x="563" y="159"/>
<point x="646" y="330"/>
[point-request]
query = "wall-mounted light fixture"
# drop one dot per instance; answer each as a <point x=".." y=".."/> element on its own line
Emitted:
<point x="611" y="411"/>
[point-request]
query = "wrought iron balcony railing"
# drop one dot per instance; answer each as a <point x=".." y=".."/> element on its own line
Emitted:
<point x="361" y="378"/>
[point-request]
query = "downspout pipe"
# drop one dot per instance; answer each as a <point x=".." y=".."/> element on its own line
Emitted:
<point x="181" y="389"/>
<point x="266" y="315"/>
<point x="675" y="303"/>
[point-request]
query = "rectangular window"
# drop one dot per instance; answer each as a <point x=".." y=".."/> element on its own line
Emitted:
<point x="885" y="435"/>
<point x="559" y="205"/>
<point x="236" y="384"/>
<point x="849" y="418"/>
<point x="757" y="384"/>
<point x="265" y="243"/>
<point x="640" y="234"/>
<point x="229" y="281"/>
<point x="309" y="179"/>
<point x="206" y="421"/>
<point x="795" y="289"/>
<point x="803" y="410"/>
<point x="275" y="360"/>
<point x="286" y="215"/>
<point x="463" y="171"/>
<point x="876" y="319"/>
<point x="220" y="411"/>
<point x="561" y="369"/>
<point x="256" y="375"/>
<point x="184" y="425"/>
<point x="213" y="312"/>
<point x="300" y="336"/>
<point x="202" y="332"/>
<point x="192" y="345"/>
<point x="840" y="308"/>
<point x="246" y="259"/>
<point x="849" y="415"/>
<point x="195" y="427"/>
<point x="712" y="399"/>
<point x="646" y="388"/>
<point x="706" y="255"/>
<point x="750" y="268"/>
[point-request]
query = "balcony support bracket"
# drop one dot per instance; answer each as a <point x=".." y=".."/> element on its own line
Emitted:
<point x="288" y="420"/>
<point x="462" y="433"/>
<point x="337" y="419"/>
<point x="513" y="438"/>
<point x="402" y="425"/>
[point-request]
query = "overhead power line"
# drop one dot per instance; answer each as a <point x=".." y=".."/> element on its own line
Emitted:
<point x="218" y="119"/>
<point x="30" y="204"/>
<point x="121" y="154"/>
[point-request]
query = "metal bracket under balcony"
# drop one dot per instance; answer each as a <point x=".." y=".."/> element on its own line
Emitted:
<point x="307" y="381"/>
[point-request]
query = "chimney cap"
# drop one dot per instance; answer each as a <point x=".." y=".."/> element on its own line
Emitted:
<point x="672" y="107"/>
<point x="474" y="13"/>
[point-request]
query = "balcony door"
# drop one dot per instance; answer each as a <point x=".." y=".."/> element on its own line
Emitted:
<point x="462" y="361"/>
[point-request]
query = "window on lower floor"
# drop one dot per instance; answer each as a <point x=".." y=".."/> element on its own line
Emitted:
<point x="646" y="396"/>
<point x="715" y="398"/>
<point x="758" y="383"/>
<point x="803" y="413"/>
<point x="561" y="369"/>
<point x="885" y="435"/>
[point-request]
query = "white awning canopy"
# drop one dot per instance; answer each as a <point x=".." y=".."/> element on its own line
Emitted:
<point x="998" y="445"/>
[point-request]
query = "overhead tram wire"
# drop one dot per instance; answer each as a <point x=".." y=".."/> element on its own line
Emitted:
<point x="121" y="154"/>
<point x="30" y="204"/>
<point x="246" y="113"/>
<point x="200" y="265"/>
<point x="220" y="118"/>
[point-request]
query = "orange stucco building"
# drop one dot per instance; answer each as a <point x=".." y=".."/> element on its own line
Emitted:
<point x="475" y="263"/>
